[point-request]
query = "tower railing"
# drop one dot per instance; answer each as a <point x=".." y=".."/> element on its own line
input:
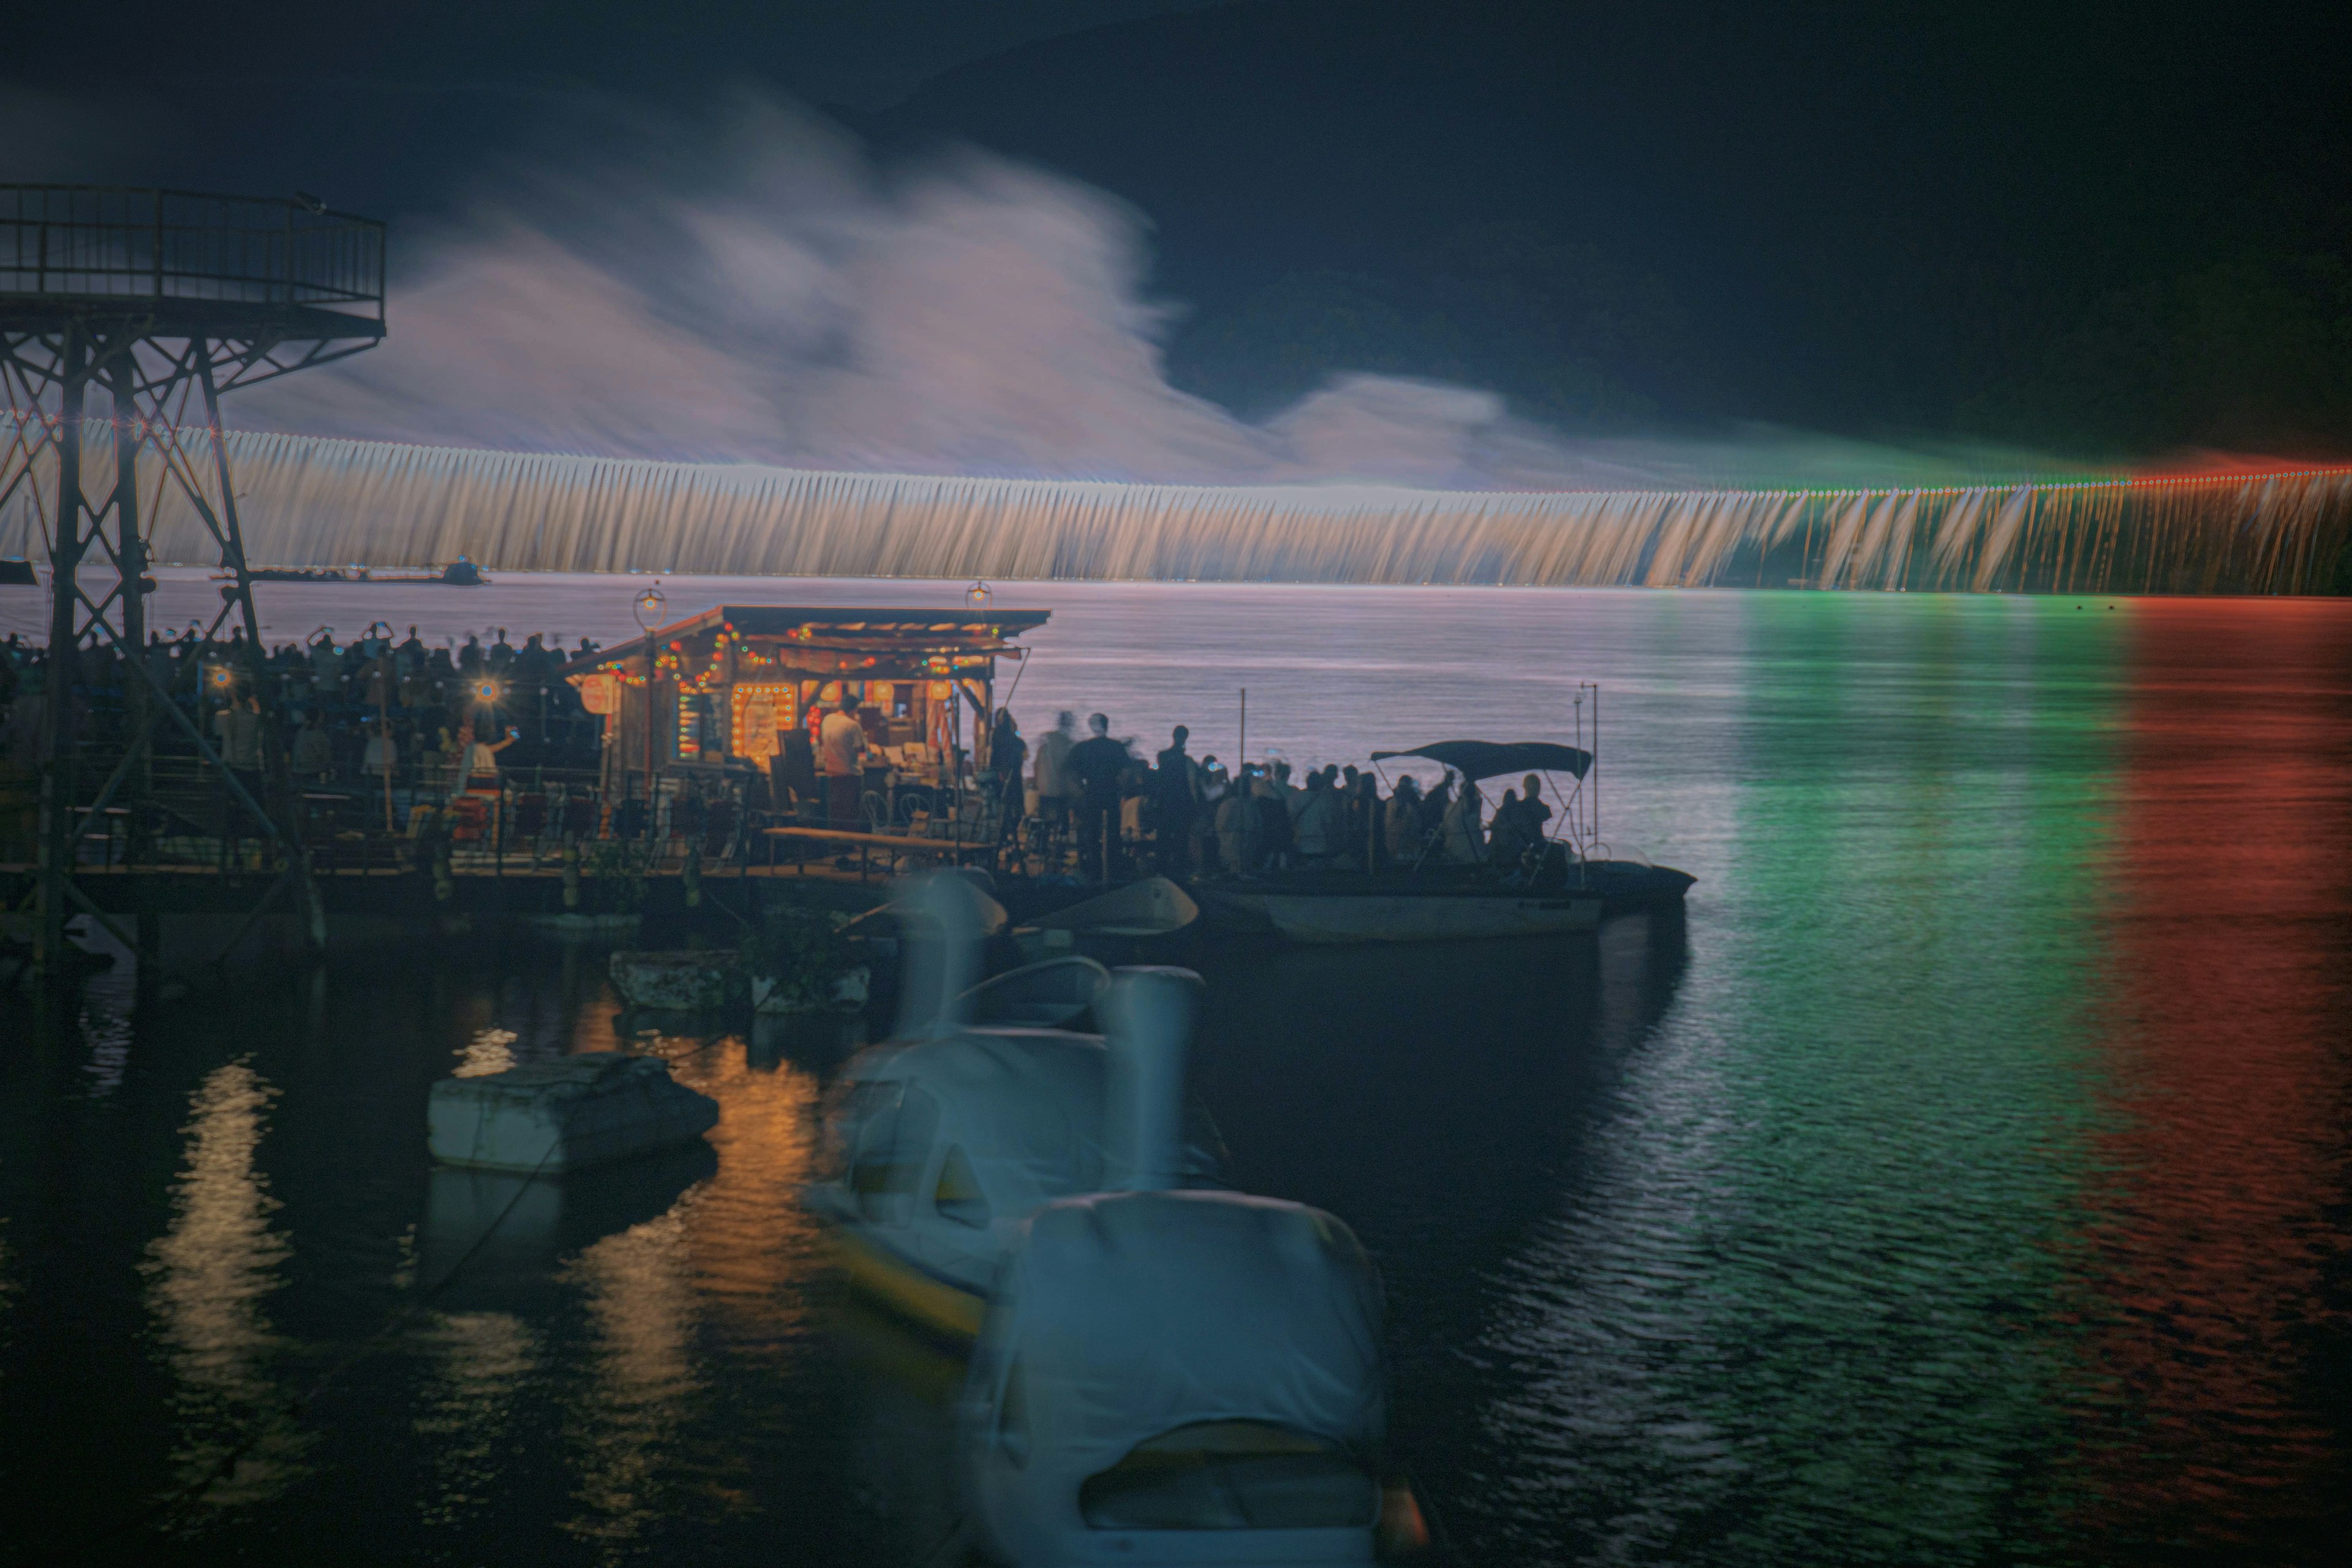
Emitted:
<point x="93" y="242"/>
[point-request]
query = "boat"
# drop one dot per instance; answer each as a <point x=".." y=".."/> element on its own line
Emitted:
<point x="1041" y="995"/>
<point x="1162" y="1368"/>
<point x="1629" y="885"/>
<point x="1179" y="1377"/>
<point x="940" y="1139"/>
<point x="1141" y="911"/>
<point x="459" y="574"/>
<point x="1566" y="887"/>
<point x="552" y="1117"/>
<point x="1325" y="909"/>
<point x="684" y="980"/>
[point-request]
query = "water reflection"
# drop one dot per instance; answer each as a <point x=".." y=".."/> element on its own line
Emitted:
<point x="209" y="1275"/>
<point x="638" y="1384"/>
<point x="902" y="1438"/>
<point x="108" y="1002"/>
<point x="481" y="1363"/>
<point x="8" y="1290"/>
<point x="1787" y="1308"/>
<point x="495" y="1238"/>
<point x="490" y="1051"/>
<point x="2214" y="1238"/>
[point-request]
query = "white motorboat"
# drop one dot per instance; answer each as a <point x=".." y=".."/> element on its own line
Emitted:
<point x="942" y="1140"/>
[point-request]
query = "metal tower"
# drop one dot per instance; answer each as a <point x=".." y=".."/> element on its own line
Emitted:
<point x="161" y="300"/>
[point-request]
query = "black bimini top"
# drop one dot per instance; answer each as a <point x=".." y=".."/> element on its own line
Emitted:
<point x="1476" y="760"/>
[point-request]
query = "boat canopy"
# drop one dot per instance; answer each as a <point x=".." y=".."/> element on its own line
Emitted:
<point x="1477" y="760"/>
<point x="1142" y="1341"/>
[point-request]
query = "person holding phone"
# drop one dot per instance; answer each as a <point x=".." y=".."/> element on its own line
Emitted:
<point x="480" y="768"/>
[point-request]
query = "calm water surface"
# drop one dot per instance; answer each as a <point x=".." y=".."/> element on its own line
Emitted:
<point x="1964" y="1178"/>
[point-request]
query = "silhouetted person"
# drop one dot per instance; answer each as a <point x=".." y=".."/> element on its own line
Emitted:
<point x="1096" y="765"/>
<point x="1007" y="751"/>
<point x="1175" y="801"/>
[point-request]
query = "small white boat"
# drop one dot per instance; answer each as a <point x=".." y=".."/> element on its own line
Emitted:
<point x="1179" y="1376"/>
<point x="1140" y="911"/>
<point x="556" y="1116"/>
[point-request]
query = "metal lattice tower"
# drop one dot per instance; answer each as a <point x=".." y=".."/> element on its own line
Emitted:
<point x="161" y="300"/>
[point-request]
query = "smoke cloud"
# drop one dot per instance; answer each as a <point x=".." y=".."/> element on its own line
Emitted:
<point x="761" y="289"/>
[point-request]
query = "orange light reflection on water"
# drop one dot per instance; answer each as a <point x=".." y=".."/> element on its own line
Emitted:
<point x="719" y="1279"/>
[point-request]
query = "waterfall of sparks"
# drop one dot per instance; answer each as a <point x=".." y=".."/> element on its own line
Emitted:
<point x="308" y="500"/>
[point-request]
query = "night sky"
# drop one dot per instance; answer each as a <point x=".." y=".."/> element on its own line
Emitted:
<point x="2112" y="230"/>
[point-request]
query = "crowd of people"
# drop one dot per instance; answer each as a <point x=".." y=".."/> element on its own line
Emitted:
<point x="346" y="713"/>
<point x="1192" y="815"/>
<point x="446" y="720"/>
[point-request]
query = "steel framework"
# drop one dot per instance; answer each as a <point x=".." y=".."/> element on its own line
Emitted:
<point x="161" y="300"/>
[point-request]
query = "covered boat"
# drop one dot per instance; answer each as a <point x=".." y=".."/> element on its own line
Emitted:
<point x="941" y="1141"/>
<point x="556" y="1116"/>
<point x="1179" y="1377"/>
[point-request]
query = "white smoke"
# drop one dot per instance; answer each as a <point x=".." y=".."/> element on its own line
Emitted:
<point x="766" y="292"/>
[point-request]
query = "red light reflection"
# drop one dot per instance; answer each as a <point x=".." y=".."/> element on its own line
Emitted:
<point x="2232" y="986"/>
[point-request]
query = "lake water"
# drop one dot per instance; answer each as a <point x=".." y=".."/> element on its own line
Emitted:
<point x="1967" y="1176"/>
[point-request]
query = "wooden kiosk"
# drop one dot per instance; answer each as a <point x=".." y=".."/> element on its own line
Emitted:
<point x="737" y="682"/>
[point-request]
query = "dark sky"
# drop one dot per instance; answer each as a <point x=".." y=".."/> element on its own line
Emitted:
<point x="2115" y="226"/>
